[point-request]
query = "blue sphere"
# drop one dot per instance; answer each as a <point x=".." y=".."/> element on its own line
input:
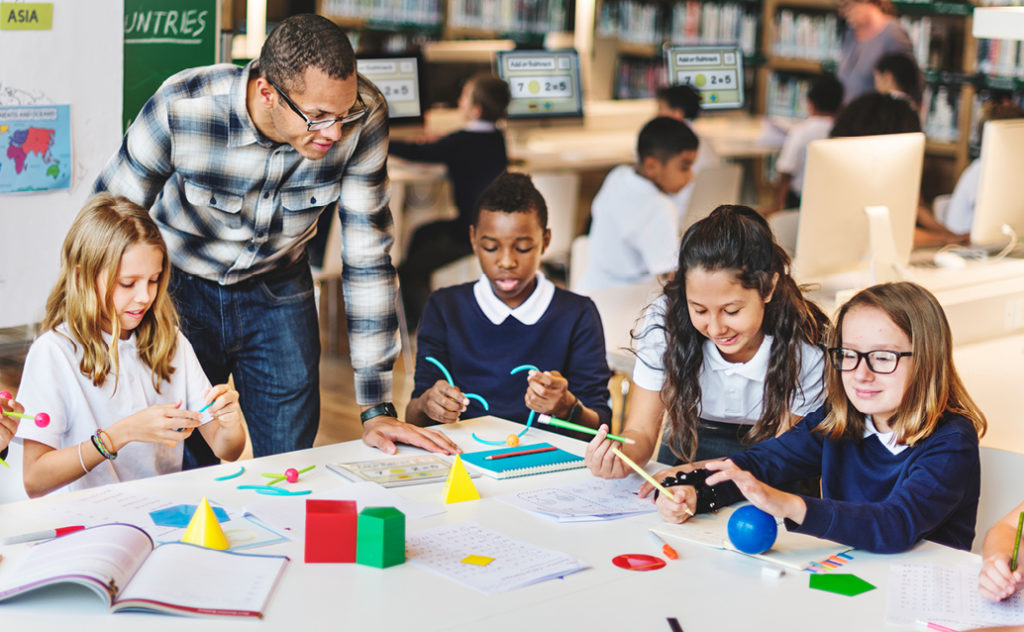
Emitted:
<point x="751" y="530"/>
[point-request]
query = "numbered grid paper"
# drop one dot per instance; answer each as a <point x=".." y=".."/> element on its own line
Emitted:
<point x="945" y="594"/>
<point x="516" y="563"/>
<point x="592" y="499"/>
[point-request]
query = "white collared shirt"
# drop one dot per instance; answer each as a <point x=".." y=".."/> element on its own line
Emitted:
<point x="479" y="125"/>
<point x="528" y="313"/>
<point x="887" y="439"/>
<point x="731" y="392"/>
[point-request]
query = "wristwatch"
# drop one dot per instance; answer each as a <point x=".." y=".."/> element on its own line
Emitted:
<point x="576" y="411"/>
<point x="385" y="409"/>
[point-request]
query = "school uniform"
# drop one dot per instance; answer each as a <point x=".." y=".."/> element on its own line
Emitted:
<point x="876" y="495"/>
<point x="634" y="232"/>
<point x="480" y="340"/>
<point x="794" y="150"/>
<point x="52" y="382"/>
<point x="732" y="393"/>
<point x="960" y="213"/>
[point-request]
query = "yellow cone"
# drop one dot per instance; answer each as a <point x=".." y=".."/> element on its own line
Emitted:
<point x="204" y="529"/>
<point x="459" y="486"/>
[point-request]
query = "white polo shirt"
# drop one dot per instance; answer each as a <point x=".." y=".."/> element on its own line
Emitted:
<point x="793" y="156"/>
<point x="53" y="383"/>
<point x="960" y="213"/>
<point x="731" y="392"/>
<point x="634" y="233"/>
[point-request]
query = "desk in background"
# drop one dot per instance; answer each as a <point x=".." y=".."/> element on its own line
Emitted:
<point x="706" y="589"/>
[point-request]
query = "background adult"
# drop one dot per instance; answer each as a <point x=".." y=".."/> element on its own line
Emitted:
<point x="873" y="32"/>
<point x="236" y="164"/>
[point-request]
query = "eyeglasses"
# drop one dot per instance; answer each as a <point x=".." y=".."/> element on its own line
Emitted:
<point x="357" y="112"/>
<point x="879" y="361"/>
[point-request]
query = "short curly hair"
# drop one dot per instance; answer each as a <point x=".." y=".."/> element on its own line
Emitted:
<point x="304" y="41"/>
<point x="512" y="193"/>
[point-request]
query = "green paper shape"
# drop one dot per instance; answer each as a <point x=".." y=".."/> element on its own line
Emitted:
<point x="380" y="537"/>
<point x="841" y="584"/>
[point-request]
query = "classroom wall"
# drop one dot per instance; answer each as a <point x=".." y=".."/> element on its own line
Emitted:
<point x="78" y="62"/>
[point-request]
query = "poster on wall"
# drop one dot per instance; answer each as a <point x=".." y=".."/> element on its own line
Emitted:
<point x="35" y="148"/>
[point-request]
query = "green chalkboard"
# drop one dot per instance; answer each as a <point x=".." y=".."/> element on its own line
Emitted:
<point x="162" y="37"/>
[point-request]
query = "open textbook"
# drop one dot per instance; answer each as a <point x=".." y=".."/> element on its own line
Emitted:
<point x="120" y="563"/>
<point x="796" y="551"/>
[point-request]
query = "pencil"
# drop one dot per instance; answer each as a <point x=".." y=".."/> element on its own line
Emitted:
<point x="1016" y="543"/>
<point x="506" y="455"/>
<point x="647" y="477"/>
<point x="568" y="425"/>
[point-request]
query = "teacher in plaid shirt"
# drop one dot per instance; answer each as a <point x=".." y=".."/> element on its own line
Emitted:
<point x="236" y="165"/>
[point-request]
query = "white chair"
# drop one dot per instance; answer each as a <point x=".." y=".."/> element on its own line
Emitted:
<point x="561" y="192"/>
<point x="461" y="270"/>
<point x="1001" y="471"/>
<point x="578" y="254"/>
<point x="784" y="225"/>
<point x="712" y="187"/>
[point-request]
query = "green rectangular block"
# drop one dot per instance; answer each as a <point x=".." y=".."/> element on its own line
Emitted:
<point x="380" y="537"/>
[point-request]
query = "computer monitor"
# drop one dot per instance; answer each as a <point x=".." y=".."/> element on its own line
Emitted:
<point x="840" y="230"/>
<point x="543" y="83"/>
<point x="715" y="71"/>
<point x="999" y="198"/>
<point x="398" y="77"/>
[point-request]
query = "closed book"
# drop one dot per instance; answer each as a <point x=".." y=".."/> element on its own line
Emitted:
<point x="552" y="460"/>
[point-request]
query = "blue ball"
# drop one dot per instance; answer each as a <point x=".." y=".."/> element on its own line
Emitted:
<point x="751" y="530"/>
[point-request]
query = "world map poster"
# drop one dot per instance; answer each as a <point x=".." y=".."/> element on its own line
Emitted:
<point x="35" y="148"/>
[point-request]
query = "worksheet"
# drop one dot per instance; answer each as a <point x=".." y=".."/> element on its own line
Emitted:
<point x="592" y="499"/>
<point x="485" y="560"/>
<point x="945" y="594"/>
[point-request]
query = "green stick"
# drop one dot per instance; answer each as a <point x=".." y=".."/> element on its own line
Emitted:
<point x="1016" y="542"/>
<point x="568" y="425"/>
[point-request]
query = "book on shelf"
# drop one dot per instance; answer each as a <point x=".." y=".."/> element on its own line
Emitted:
<point x="121" y="565"/>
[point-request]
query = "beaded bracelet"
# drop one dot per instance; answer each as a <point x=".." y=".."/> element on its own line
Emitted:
<point x="105" y="438"/>
<point x="107" y="454"/>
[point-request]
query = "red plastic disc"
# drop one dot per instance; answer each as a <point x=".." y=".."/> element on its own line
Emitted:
<point x="638" y="562"/>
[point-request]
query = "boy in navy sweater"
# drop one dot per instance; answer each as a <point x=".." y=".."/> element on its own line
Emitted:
<point x="474" y="156"/>
<point x="512" y="316"/>
<point x="896" y="443"/>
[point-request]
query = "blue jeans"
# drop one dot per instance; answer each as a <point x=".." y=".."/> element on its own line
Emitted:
<point x="264" y="332"/>
<point x="715" y="440"/>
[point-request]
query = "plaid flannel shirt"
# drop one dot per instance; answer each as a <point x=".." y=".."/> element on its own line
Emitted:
<point x="231" y="204"/>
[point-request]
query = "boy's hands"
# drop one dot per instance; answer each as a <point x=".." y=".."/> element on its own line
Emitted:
<point x="548" y="393"/>
<point x="443" y="402"/>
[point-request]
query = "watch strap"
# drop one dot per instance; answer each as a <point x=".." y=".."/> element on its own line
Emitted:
<point x="385" y="409"/>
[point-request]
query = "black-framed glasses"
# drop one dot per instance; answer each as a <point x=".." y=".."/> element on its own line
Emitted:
<point x="879" y="361"/>
<point x="357" y="112"/>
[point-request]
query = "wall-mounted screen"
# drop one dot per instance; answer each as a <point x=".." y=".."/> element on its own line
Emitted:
<point x="716" y="72"/>
<point x="398" y="79"/>
<point x="543" y="83"/>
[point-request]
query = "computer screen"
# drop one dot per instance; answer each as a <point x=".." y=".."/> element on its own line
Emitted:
<point x="398" y="79"/>
<point x="999" y="198"/>
<point x="842" y="178"/>
<point x="543" y="83"/>
<point x="716" y="71"/>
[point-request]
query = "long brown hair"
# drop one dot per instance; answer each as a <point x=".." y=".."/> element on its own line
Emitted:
<point x="737" y="239"/>
<point x="934" y="387"/>
<point x="101" y="233"/>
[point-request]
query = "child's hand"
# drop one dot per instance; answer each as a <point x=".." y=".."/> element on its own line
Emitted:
<point x="225" y="407"/>
<point x="766" y="498"/>
<point x="661" y="475"/>
<point x="548" y="393"/>
<point x="8" y="425"/>
<point x="600" y="458"/>
<point x="160" y="423"/>
<point x="682" y="508"/>
<point x="996" y="581"/>
<point x="444" y="403"/>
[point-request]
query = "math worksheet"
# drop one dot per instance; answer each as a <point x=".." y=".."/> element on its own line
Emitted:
<point x="945" y="594"/>
<point x="592" y="499"/>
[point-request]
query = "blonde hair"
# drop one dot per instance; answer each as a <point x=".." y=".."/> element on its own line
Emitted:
<point x="934" y="386"/>
<point x="101" y="233"/>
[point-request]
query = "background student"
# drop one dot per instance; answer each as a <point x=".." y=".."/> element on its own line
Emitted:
<point x="996" y="580"/>
<point x="873" y="31"/>
<point x="731" y="350"/>
<point x="118" y="379"/>
<point x="897" y="74"/>
<point x="474" y="156"/>
<point x="824" y="98"/>
<point x="634" y="231"/>
<point x="512" y="316"/>
<point x="896" y="445"/>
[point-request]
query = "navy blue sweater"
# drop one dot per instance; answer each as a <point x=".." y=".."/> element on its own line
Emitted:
<point x="479" y="354"/>
<point x="473" y="160"/>
<point x="873" y="499"/>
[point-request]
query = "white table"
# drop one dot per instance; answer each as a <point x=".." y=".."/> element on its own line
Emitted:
<point x="705" y="589"/>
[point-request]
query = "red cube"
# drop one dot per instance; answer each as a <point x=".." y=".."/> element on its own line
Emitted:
<point x="331" y="531"/>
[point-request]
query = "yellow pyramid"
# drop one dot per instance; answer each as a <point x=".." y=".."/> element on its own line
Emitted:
<point x="204" y="529"/>
<point x="459" y="486"/>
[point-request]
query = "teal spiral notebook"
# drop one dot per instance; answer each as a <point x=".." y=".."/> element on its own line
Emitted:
<point x="526" y="465"/>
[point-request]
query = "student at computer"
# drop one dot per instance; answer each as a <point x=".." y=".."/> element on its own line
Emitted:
<point x="474" y="156"/>
<point x="960" y="212"/>
<point x="731" y="350"/>
<point x="513" y="315"/>
<point x="897" y="74"/>
<point x="875" y="113"/>
<point x="896" y="444"/>
<point x="824" y="98"/>
<point x="997" y="580"/>
<point x="682" y="102"/>
<point x="634" y="231"/>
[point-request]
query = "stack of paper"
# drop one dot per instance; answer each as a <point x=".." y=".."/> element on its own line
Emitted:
<point x="485" y="560"/>
<point x="592" y="499"/>
<point x="945" y="594"/>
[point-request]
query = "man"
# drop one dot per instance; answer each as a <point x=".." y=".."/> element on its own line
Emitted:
<point x="236" y="165"/>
